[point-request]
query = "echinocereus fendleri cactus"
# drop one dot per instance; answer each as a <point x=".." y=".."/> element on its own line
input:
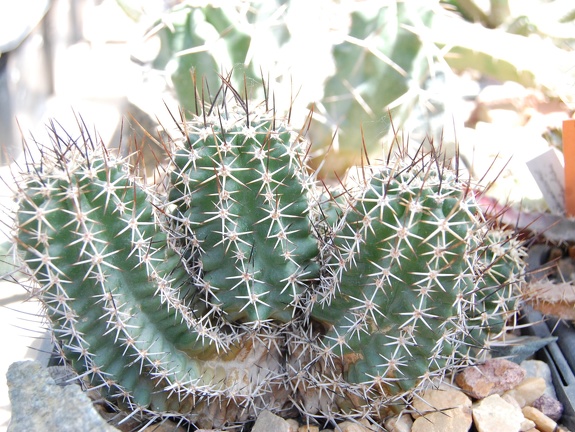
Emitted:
<point x="237" y="282"/>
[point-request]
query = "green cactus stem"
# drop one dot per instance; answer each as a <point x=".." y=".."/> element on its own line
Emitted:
<point x="418" y="282"/>
<point x="121" y="306"/>
<point x="242" y="195"/>
<point x="234" y="283"/>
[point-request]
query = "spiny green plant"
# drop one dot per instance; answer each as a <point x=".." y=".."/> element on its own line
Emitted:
<point x="122" y="308"/>
<point x="415" y="280"/>
<point x="235" y="282"/>
<point x="243" y="201"/>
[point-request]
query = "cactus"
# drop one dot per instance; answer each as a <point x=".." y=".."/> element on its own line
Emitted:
<point x="201" y="41"/>
<point x="381" y="66"/>
<point x="417" y="282"/>
<point x="242" y="197"/>
<point x="121" y="306"/>
<point x="236" y="283"/>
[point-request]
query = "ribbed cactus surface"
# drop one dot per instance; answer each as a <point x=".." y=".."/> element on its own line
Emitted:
<point x="242" y="198"/>
<point x="237" y="283"/>
<point x="121" y="306"/>
<point x="90" y="239"/>
<point x="413" y="285"/>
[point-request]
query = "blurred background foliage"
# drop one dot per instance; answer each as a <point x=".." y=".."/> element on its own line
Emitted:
<point x="365" y="68"/>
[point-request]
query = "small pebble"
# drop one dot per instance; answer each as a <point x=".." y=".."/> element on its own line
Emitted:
<point x="293" y="424"/>
<point x="353" y="426"/>
<point x="268" y="421"/>
<point x="493" y="414"/>
<point x="399" y="423"/>
<point x="452" y="420"/>
<point x="433" y="400"/>
<point x="309" y="428"/>
<point x="549" y="406"/>
<point x="527" y="391"/>
<point x="492" y="377"/>
<point x="538" y="368"/>
<point x="542" y="422"/>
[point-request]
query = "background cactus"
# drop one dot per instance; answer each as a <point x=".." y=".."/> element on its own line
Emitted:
<point x="354" y="63"/>
<point x="357" y="61"/>
<point x="380" y="70"/>
<point x="235" y="283"/>
<point x="201" y="41"/>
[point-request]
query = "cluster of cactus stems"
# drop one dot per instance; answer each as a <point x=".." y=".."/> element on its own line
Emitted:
<point x="237" y="282"/>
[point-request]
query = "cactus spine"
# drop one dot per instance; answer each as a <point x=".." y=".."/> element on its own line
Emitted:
<point x="232" y="285"/>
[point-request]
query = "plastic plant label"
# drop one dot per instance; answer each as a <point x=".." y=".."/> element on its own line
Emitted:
<point x="548" y="171"/>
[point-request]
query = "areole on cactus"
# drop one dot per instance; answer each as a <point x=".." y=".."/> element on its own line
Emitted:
<point x="237" y="282"/>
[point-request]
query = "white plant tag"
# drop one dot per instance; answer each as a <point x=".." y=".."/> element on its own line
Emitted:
<point x="548" y="171"/>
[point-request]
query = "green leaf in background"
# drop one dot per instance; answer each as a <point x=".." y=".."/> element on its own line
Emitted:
<point x="380" y="66"/>
<point x="201" y="42"/>
<point x="7" y="264"/>
<point x="530" y="61"/>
